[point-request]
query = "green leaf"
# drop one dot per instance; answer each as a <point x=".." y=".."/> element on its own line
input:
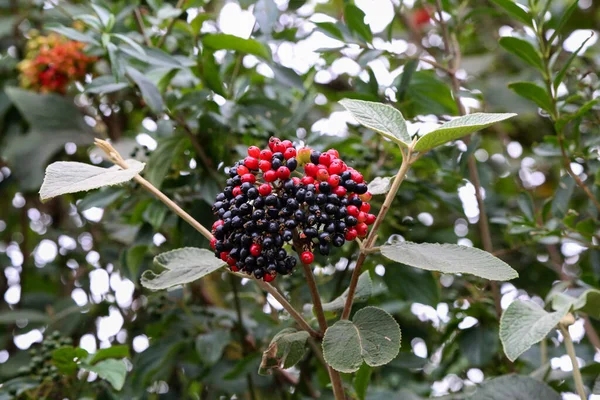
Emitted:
<point x="563" y="20"/>
<point x="330" y="29"/>
<point x="364" y="288"/>
<point x="361" y="381"/>
<point x="285" y="350"/>
<point x="561" y="74"/>
<point x="380" y="185"/>
<point x="526" y="205"/>
<point x="587" y="301"/>
<point x="596" y="389"/>
<point x="31" y="316"/>
<point x="412" y="284"/>
<point x="103" y="14"/>
<point x="154" y="57"/>
<point x="68" y="358"/>
<point x="479" y="345"/>
<point x="222" y="41"/>
<point x="533" y="92"/>
<point x="562" y="196"/>
<point x="515" y="11"/>
<point x="105" y="84"/>
<point x="426" y="94"/>
<point x="149" y="90"/>
<point x="73" y="34"/>
<point x="373" y="336"/>
<point x="266" y="14"/>
<point x="111" y="370"/>
<point x="449" y="259"/>
<point x="524" y="50"/>
<point x="134" y="45"/>
<point x="515" y="387"/>
<point x="381" y="118"/>
<point x="182" y="266"/>
<point x="210" y="346"/>
<point x="161" y="159"/>
<point x="118" y="351"/>
<point x="71" y="177"/>
<point x="458" y="128"/>
<point x="355" y="19"/>
<point x="525" y="323"/>
<point x="210" y="73"/>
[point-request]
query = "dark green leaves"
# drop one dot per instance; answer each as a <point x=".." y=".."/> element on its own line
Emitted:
<point x="355" y="19"/>
<point x="535" y="93"/>
<point x="515" y="387"/>
<point x="515" y="11"/>
<point x="182" y="266"/>
<point x="458" y="128"/>
<point x="286" y="349"/>
<point x="148" y="89"/>
<point x="450" y="259"/>
<point x="382" y="118"/>
<point x="210" y="346"/>
<point x="68" y="358"/>
<point x="111" y="370"/>
<point x="222" y="41"/>
<point x="373" y="336"/>
<point x="118" y="351"/>
<point x="562" y="196"/>
<point x="524" y="50"/>
<point x="525" y="323"/>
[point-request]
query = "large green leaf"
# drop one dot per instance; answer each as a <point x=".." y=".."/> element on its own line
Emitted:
<point x="524" y="50"/>
<point x="286" y="349"/>
<point x="515" y="11"/>
<point x="182" y="266"/>
<point x="210" y="346"/>
<point x="515" y="387"/>
<point x="149" y="91"/>
<point x="450" y="259"/>
<point x="355" y="19"/>
<point x="222" y="41"/>
<point x="525" y="323"/>
<point x="458" y="128"/>
<point x="362" y="380"/>
<point x="533" y="92"/>
<point x="68" y="358"/>
<point x="111" y="370"/>
<point x="71" y="177"/>
<point x="373" y="336"/>
<point x="364" y="288"/>
<point x="584" y="300"/>
<point x="382" y="118"/>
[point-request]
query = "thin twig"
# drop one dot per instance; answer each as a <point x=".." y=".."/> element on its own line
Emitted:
<point x="140" y="23"/>
<point x="161" y="41"/>
<point x="571" y="352"/>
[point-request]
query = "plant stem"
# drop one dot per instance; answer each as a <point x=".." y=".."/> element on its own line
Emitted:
<point x="407" y="160"/>
<point x="161" y="41"/>
<point x="571" y="351"/>
<point x="140" y="23"/>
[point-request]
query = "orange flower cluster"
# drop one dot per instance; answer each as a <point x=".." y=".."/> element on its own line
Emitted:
<point x="52" y="62"/>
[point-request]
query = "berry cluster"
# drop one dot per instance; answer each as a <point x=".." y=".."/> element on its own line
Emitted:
<point x="41" y="359"/>
<point x="52" y="62"/>
<point x="264" y="207"/>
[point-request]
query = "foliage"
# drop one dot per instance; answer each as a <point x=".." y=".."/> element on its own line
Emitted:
<point x="474" y="122"/>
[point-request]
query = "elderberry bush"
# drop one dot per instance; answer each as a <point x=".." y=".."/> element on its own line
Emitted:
<point x="282" y="197"/>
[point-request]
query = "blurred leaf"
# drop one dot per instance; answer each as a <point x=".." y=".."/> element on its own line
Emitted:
<point x="562" y="196"/>
<point x="515" y="387"/>
<point x="31" y="316"/>
<point x="526" y="205"/>
<point x="561" y="74"/>
<point x="380" y="185"/>
<point x="524" y="50"/>
<point x="381" y="118"/>
<point x="479" y="345"/>
<point x="111" y="370"/>
<point x="266" y="13"/>
<point x="134" y="45"/>
<point x="587" y="301"/>
<point x="458" y="128"/>
<point x="68" y="358"/>
<point x="426" y="94"/>
<point x="149" y="91"/>
<point x="596" y="389"/>
<point x="330" y="29"/>
<point x="409" y="69"/>
<point x="210" y="73"/>
<point x="210" y="346"/>
<point x="117" y="351"/>
<point x="525" y="323"/>
<point x="222" y="41"/>
<point x="535" y="93"/>
<point x="105" y="84"/>
<point x="286" y="349"/>
<point x="73" y="34"/>
<point x="155" y="57"/>
<point x="182" y="266"/>
<point x="361" y="381"/>
<point x="364" y="287"/>
<point x="412" y="284"/>
<point x="71" y="177"/>
<point x="515" y="11"/>
<point x="355" y="19"/>
<point x="564" y="17"/>
<point x="373" y="336"/>
<point x="161" y="159"/>
<point x="449" y="259"/>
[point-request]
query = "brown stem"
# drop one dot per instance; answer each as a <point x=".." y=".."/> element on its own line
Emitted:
<point x="140" y="23"/>
<point x="591" y="333"/>
<point x="161" y="41"/>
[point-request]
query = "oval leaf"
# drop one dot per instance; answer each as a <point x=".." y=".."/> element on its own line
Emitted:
<point x="533" y="92"/>
<point x="148" y="89"/>
<point x="458" y="128"/>
<point x="182" y="266"/>
<point x="71" y="177"/>
<point x="373" y="336"/>
<point x="382" y="118"/>
<point x="74" y="34"/>
<point x="525" y="323"/>
<point x="286" y="349"/>
<point x="222" y="41"/>
<point x="450" y="259"/>
<point x="515" y="11"/>
<point x="515" y="387"/>
<point x="587" y="301"/>
<point x="524" y="50"/>
<point x="111" y="370"/>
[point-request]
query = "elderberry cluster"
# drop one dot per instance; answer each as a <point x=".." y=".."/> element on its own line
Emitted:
<point x="263" y="208"/>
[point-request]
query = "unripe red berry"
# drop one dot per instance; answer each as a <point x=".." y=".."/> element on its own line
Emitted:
<point x="311" y="169"/>
<point x="251" y="162"/>
<point x="296" y="180"/>
<point x="340" y="191"/>
<point x="334" y="153"/>
<point x="249" y="178"/>
<point x="236" y="191"/>
<point x="224" y="255"/>
<point x="264" y="165"/>
<point x="270" y="176"/>
<point x="353" y="211"/>
<point x="213" y="242"/>
<point x="366" y="196"/>
<point x="307" y="257"/>
<point x="279" y="147"/>
<point x="289" y="153"/>
<point x="365" y="207"/>
<point x="357" y="176"/>
<point x="242" y="170"/>
<point x="362" y="229"/>
<point x="370" y="219"/>
<point x="322" y="174"/>
<point x="255" y="249"/>
<point x="217" y="224"/>
<point x="420" y="17"/>
<point x="351" y="234"/>
<point x="287" y="144"/>
<point x="230" y="261"/>
<point x="334" y="180"/>
<point x="234" y="268"/>
<point x="307" y="180"/>
<point x="362" y="217"/>
<point x="264" y="189"/>
<point x="272" y="142"/>
<point x="336" y="167"/>
<point x="283" y="173"/>
<point x="268" y="277"/>
<point x="253" y="151"/>
<point x="266" y="155"/>
<point x="325" y="159"/>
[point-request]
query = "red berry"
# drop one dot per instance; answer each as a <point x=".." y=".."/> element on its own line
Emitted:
<point x="236" y="191"/>
<point x="253" y="151"/>
<point x="213" y="242"/>
<point x="224" y="255"/>
<point x="283" y="173"/>
<point x="266" y="155"/>
<point x="248" y="178"/>
<point x="340" y="191"/>
<point x="336" y="167"/>
<point x="279" y="147"/>
<point x="370" y="219"/>
<point x="334" y="180"/>
<point x="334" y="153"/>
<point x="242" y="170"/>
<point x="234" y="268"/>
<point x="351" y="234"/>
<point x="353" y="211"/>
<point x="269" y="277"/>
<point x="325" y="159"/>
<point x="272" y="142"/>
<point x="311" y="169"/>
<point x="322" y="174"/>
<point x="362" y="217"/>
<point x="366" y="207"/>
<point x="264" y="165"/>
<point x="264" y="189"/>
<point x="255" y="249"/>
<point x="216" y="224"/>
<point x="287" y="144"/>
<point x="307" y="180"/>
<point x="270" y="176"/>
<point x="307" y="257"/>
<point x="231" y="261"/>
<point x="251" y="162"/>
<point x="366" y="196"/>
<point x="357" y="176"/>
<point x="362" y="229"/>
<point x="420" y="17"/>
<point x="289" y="153"/>
<point x="296" y="180"/>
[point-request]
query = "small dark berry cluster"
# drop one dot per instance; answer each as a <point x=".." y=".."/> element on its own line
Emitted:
<point x="264" y="208"/>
